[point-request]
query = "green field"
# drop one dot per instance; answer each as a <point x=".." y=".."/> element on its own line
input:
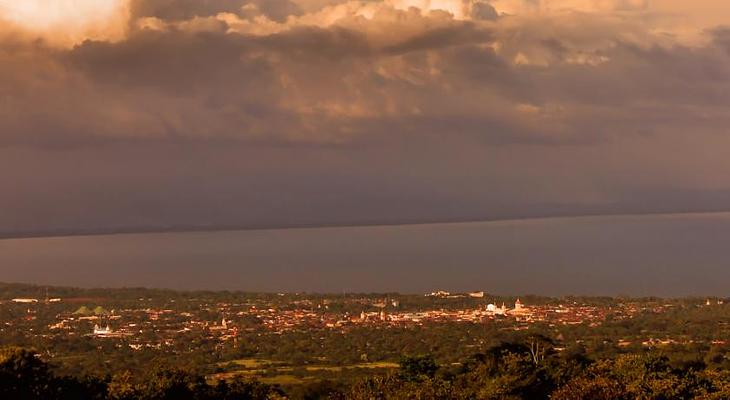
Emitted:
<point x="268" y="371"/>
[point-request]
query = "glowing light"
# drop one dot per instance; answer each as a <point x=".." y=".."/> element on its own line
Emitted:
<point x="67" y="21"/>
<point x="455" y="7"/>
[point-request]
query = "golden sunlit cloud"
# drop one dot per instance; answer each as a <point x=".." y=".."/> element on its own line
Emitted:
<point x="67" y="22"/>
<point x="455" y="7"/>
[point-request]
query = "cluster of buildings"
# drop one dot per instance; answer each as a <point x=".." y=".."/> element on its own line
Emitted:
<point x="148" y="326"/>
<point x="224" y="321"/>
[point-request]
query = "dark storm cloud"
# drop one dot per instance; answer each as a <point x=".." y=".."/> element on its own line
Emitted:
<point x="483" y="11"/>
<point x="277" y="10"/>
<point x="183" y="9"/>
<point x="459" y="35"/>
<point x="294" y="112"/>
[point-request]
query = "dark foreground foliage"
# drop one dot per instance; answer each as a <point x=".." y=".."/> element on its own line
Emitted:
<point x="528" y="370"/>
<point x="24" y="376"/>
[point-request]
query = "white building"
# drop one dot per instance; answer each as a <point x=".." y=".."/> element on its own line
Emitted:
<point x="519" y="308"/>
<point x="25" y="300"/>
<point x="99" y="331"/>
<point x="497" y="310"/>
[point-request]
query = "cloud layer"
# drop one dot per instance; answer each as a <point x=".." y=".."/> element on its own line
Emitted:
<point x="285" y="112"/>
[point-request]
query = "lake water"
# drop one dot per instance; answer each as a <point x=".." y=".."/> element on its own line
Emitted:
<point x="668" y="255"/>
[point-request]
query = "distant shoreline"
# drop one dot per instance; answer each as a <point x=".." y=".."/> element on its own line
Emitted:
<point x="39" y="290"/>
<point x="265" y="227"/>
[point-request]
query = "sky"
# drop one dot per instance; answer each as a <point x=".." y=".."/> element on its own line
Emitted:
<point x="163" y="114"/>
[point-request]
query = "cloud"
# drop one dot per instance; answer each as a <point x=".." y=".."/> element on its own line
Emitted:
<point x="483" y="11"/>
<point x="66" y="22"/>
<point x="423" y="109"/>
<point x="180" y="10"/>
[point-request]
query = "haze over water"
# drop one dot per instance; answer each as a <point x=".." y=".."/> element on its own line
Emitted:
<point x="669" y="255"/>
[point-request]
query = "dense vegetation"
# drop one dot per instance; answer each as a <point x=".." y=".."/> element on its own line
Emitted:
<point x="530" y="369"/>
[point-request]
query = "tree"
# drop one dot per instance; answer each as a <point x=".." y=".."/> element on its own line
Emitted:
<point x="23" y="375"/>
<point x="539" y="346"/>
<point x="243" y="389"/>
<point x="417" y="368"/>
<point x="597" y="388"/>
<point x="164" y="383"/>
<point x="122" y="387"/>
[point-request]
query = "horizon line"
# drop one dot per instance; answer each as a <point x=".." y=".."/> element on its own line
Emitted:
<point x="78" y="232"/>
<point x="525" y="295"/>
